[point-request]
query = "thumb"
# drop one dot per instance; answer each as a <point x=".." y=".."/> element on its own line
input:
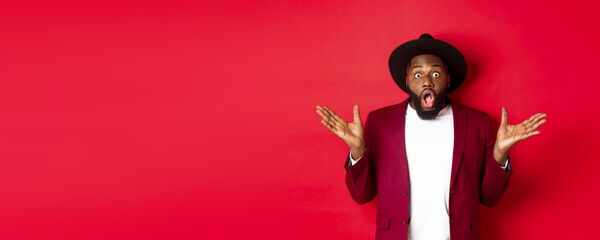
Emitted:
<point x="504" y="119"/>
<point x="356" y="113"/>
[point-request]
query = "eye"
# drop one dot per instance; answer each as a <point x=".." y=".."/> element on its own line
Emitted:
<point x="417" y="75"/>
<point x="436" y="74"/>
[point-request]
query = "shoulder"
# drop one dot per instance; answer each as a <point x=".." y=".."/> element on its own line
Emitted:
<point x="388" y="111"/>
<point x="472" y="113"/>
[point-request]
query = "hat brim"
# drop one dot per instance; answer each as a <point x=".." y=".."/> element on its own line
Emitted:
<point x="402" y="55"/>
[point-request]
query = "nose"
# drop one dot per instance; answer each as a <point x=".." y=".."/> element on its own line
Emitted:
<point x="427" y="82"/>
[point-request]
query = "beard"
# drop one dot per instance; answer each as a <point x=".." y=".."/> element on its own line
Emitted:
<point x="438" y="104"/>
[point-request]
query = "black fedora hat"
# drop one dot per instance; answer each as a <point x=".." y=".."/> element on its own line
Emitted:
<point x="426" y="44"/>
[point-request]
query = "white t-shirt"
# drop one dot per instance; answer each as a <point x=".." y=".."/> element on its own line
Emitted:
<point x="429" y="146"/>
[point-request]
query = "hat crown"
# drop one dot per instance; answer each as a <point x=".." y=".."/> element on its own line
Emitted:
<point x="426" y="36"/>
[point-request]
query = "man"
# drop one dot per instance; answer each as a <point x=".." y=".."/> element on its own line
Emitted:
<point x="430" y="161"/>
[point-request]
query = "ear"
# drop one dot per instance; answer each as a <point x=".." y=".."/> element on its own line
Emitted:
<point x="448" y="82"/>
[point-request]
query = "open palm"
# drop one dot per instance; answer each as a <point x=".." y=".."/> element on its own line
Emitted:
<point x="351" y="133"/>
<point x="509" y="135"/>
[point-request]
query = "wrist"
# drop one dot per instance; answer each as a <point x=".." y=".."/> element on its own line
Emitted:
<point x="500" y="155"/>
<point x="356" y="144"/>
<point x="357" y="152"/>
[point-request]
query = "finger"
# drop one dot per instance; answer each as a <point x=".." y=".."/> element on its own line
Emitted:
<point x="504" y="119"/>
<point x="321" y="111"/>
<point x="528" y="135"/>
<point x="528" y="121"/>
<point x="327" y="124"/>
<point x="538" y="118"/>
<point x="327" y="113"/>
<point x="332" y="113"/>
<point x="323" y="115"/>
<point x="536" y="125"/>
<point x="329" y="119"/>
<point x="356" y="114"/>
<point x="330" y="127"/>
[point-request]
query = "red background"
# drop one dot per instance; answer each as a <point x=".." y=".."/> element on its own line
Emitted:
<point x="189" y="120"/>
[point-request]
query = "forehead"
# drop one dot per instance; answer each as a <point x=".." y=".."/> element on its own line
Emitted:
<point x="426" y="59"/>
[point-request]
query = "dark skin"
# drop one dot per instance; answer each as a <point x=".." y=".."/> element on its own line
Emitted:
<point x="427" y="72"/>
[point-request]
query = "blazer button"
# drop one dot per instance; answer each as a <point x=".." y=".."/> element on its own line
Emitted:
<point x="451" y="192"/>
<point x="403" y="221"/>
<point x="405" y="193"/>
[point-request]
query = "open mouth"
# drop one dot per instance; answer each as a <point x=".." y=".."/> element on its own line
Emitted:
<point x="427" y="98"/>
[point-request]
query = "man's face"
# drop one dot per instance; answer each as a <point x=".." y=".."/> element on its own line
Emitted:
<point x="427" y="80"/>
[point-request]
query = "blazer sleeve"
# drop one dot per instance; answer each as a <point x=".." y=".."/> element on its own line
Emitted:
<point x="494" y="178"/>
<point x="360" y="179"/>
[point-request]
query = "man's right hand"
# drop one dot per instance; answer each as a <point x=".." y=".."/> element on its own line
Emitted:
<point x="351" y="133"/>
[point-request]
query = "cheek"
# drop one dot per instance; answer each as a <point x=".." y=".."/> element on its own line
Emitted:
<point x="414" y="85"/>
<point x="441" y="83"/>
<point x="410" y="83"/>
<point x="444" y="82"/>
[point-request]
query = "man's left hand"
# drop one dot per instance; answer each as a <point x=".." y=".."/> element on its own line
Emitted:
<point x="509" y="135"/>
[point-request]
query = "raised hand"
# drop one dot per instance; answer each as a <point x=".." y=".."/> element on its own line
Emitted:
<point x="351" y="133"/>
<point x="509" y="135"/>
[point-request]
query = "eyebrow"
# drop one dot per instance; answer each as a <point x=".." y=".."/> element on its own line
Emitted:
<point x="419" y="66"/>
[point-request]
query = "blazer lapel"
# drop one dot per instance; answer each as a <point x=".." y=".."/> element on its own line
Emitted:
<point x="460" y="134"/>
<point x="398" y="120"/>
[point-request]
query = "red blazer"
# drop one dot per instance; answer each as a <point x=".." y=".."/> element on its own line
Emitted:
<point x="383" y="170"/>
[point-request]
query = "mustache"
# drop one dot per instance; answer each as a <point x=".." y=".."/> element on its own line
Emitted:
<point x="428" y="89"/>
